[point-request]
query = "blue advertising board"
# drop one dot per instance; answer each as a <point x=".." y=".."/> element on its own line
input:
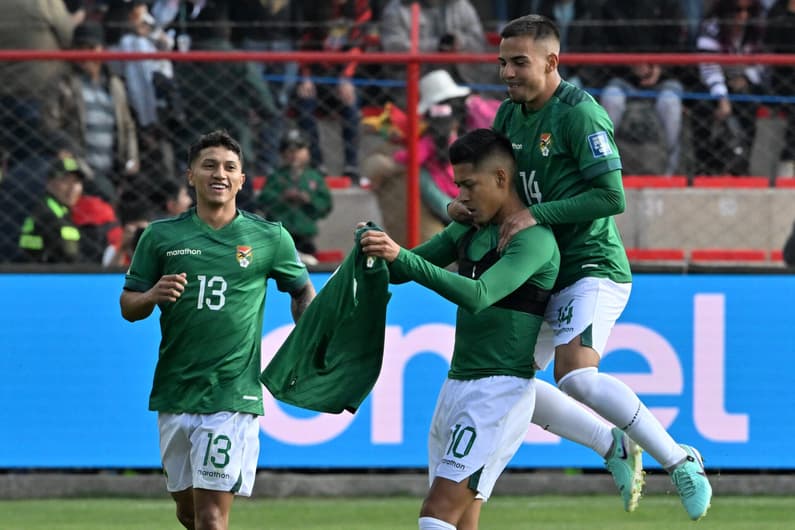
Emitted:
<point x="709" y="355"/>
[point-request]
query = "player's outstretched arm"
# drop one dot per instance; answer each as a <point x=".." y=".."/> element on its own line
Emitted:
<point x="137" y="305"/>
<point x="529" y="253"/>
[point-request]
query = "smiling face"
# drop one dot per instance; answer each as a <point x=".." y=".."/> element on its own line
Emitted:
<point x="528" y="67"/>
<point x="217" y="175"/>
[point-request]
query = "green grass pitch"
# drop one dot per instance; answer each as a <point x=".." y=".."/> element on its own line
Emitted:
<point x="400" y="513"/>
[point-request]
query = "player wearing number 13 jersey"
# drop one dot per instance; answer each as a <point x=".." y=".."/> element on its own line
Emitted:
<point x="209" y="353"/>
<point x="207" y="271"/>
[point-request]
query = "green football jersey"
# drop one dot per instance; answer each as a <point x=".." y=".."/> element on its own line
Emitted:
<point x="559" y="149"/>
<point x="209" y="359"/>
<point x="501" y="298"/>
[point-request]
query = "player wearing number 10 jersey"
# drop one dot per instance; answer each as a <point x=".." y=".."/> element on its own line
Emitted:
<point x="207" y="271"/>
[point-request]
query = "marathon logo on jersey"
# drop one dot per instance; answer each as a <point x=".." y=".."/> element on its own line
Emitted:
<point x="244" y="255"/>
<point x="544" y="141"/>
<point x="600" y="145"/>
<point x="184" y="252"/>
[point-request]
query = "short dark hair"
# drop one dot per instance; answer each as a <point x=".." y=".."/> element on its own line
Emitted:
<point x="534" y="26"/>
<point x="219" y="138"/>
<point x="478" y="145"/>
<point x="168" y="190"/>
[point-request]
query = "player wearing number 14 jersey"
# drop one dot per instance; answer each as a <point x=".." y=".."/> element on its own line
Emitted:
<point x="570" y="177"/>
<point x="560" y="149"/>
<point x="207" y="271"/>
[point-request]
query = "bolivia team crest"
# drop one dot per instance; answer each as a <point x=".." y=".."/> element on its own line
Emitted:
<point x="244" y="255"/>
<point x="544" y="141"/>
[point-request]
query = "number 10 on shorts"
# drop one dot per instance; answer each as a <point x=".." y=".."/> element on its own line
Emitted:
<point x="461" y="441"/>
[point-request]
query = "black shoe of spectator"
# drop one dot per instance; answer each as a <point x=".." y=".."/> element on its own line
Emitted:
<point x="353" y="174"/>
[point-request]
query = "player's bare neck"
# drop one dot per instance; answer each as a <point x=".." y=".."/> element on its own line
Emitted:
<point x="552" y="84"/>
<point x="216" y="216"/>
<point x="512" y="205"/>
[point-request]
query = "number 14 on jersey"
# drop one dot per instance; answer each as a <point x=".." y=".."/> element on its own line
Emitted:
<point x="532" y="193"/>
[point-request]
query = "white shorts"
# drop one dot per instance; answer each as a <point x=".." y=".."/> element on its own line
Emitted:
<point x="216" y="452"/>
<point x="477" y="427"/>
<point x="589" y="307"/>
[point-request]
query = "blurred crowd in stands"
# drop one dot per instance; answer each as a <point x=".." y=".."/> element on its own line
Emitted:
<point x="93" y="150"/>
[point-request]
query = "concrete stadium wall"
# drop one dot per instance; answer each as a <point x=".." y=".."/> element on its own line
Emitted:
<point x="685" y="218"/>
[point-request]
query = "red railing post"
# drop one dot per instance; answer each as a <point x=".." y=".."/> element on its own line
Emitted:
<point x="412" y="99"/>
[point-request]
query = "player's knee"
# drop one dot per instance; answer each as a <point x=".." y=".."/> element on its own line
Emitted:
<point x="580" y="384"/>
<point x="184" y="503"/>
<point x="185" y="517"/>
<point x="211" y="517"/>
<point x="437" y="507"/>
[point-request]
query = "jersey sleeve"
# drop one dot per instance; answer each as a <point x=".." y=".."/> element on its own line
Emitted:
<point x="145" y="269"/>
<point x="605" y="198"/>
<point x="591" y="141"/>
<point x="440" y="250"/>
<point x="288" y="270"/>
<point x="527" y="253"/>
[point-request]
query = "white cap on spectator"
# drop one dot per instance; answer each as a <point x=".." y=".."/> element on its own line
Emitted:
<point x="438" y="86"/>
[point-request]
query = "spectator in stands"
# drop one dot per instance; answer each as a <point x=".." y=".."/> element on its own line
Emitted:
<point x="576" y="20"/>
<point x="29" y="25"/>
<point x="48" y="234"/>
<point x="99" y="227"/>
<point x="333" y="26"/>
<point x="134" y="216"/>
<point x="90" y="105"/>
<point x="646" y="27"/>
<point x="269" y="26"/>
<point x="173" y="198"/>
<point x="296" y="195"/>
<point x="23" y="185"/>
<point x="150" y="86"/>
<point x="724" y="128"/>
<point x="445" y="25"/>
<point x="224" y="95"/>
<point x="780" y="38"/>
<point x="448" y="110"/>
<point x="165" y="11"/>
<point x="693" y="11"/>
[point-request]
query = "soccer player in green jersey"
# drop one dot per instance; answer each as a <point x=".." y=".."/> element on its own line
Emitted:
<point x="207" y="270"/>
<point x="486" y="403"/>
<point x="569" y="174"/>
